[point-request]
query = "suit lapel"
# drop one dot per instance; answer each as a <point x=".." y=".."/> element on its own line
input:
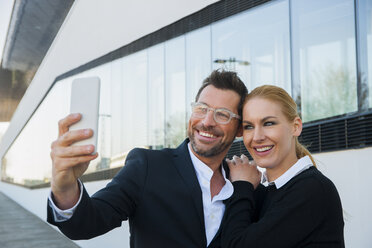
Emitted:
<point x="187" y="172"/>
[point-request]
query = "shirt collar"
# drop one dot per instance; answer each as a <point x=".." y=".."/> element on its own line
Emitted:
<point x="203" y="171"/>
<point x="201" y="168"/>
<point x="302" y="164"/>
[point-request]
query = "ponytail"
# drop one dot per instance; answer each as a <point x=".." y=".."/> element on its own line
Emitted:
<point x="301" y="151"/>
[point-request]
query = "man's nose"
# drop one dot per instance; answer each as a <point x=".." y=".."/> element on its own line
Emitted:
<point x="208" y="120"/>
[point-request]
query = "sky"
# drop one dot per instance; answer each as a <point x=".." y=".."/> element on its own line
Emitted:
<point x="6" y="7"/>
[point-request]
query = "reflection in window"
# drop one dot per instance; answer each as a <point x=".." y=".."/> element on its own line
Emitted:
<point x="117" y="107"/>
<point x="324" y="53"/>
<point x="43" y="129"/>
<point x="255" y="43"/>
<point x="175" y="91"/>
<point x="369" y="45"/>
<point x="365" y="52"/>
<point x="156" y="96"/>
<point x="135" y="101"/>
<point x="198" y="62"/>
<point x="30" y="164"/>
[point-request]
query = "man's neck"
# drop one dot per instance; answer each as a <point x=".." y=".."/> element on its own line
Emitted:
<point x="212" y="162"/>
<point x="217" y="182"/>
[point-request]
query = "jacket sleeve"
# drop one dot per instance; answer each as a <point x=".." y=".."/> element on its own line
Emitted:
<point x="107" y="208"/>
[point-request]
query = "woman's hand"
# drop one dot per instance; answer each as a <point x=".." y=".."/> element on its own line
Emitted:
<point x="241" y="169"/>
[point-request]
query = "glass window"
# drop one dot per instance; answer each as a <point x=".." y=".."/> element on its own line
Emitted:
<point x="255" y="43"/>
<point x="116" y="107"/>
<point x="29" y="164"/>
<point x="175" y="115"/>
<point x="198" y="62"/>
<point x="324" y="63"/>
<point x="156" y="103"/>
<point x="365" y="52"/>
<point x="134" y="103"/>
<point x="43" y="126"/>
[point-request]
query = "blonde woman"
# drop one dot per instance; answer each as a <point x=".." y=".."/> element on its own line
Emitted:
<point x="301" y="206"/>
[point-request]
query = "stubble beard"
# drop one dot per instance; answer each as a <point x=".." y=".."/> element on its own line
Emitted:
<point x="211" y="152"/>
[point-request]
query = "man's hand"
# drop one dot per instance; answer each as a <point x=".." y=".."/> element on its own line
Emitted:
<point x="241" y="169"/>
<point x="69" y="162"/>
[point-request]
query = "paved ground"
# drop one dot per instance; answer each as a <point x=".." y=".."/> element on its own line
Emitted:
<point x="21" y="229"/>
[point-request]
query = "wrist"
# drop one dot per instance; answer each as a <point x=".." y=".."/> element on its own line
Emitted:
<point x="66" y="197"/>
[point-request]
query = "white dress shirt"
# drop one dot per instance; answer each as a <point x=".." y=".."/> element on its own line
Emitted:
<point x="63" y="215"/>
<point x="302" y="164"/>
<point x="213" y="208"/>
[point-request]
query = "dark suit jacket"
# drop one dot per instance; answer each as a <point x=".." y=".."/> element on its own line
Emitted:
<point x="158" y="191"/>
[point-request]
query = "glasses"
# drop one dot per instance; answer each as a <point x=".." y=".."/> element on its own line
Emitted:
<point x="220" y="115"/>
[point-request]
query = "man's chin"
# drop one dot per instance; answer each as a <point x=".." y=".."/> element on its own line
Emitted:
<point x="205" y="150"/>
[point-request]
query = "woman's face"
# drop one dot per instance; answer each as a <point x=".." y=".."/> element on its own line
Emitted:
<point x="269" y="136"/>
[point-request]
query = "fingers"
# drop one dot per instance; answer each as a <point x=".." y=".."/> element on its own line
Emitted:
<point x="253" y="163"/>
<point x="61" y="148"/>
<point x="229" y="162"/>
<point x="66" y="163"/>
<point x="244" y="159"/>
<point x="241" y="169"/>
<point x="65" y="123"/>
<point x="71" y="151"/>
<point x="238" y="160"/>
<point x="66" y="157"/>
<point x="71" y="137"/>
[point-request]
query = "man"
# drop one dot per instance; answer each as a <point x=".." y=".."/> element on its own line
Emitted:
<point x="172" y="197"/>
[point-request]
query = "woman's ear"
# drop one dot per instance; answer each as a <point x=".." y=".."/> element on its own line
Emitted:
<point x="297" y="126"/>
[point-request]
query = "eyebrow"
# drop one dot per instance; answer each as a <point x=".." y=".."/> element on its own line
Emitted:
<point x="217" y="108"/>
<point x="263" y="120"/>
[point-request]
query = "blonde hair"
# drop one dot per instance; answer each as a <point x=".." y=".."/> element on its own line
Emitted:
<point x="289" y="109"/>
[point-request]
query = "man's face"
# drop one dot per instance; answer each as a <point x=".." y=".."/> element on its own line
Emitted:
<point x="207" y="137"/>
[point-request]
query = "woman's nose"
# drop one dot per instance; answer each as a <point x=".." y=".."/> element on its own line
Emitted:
<point x="258" y="135"/>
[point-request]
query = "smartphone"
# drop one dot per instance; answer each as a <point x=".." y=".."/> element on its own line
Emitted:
<point x="85" y="93"/>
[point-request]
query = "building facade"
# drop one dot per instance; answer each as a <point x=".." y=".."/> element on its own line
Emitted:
<point x="319" y="51"/>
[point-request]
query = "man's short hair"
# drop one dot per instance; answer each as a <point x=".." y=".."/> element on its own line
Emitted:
<point x="226" y="80"/>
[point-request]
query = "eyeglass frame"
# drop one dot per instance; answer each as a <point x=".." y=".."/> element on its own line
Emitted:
<point x="231" y="114"/>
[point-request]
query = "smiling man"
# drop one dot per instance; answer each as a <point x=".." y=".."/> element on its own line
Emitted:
<point x="171" y="197"/>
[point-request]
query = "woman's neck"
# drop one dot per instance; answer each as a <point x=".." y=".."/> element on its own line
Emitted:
<point x="275" y="172"/>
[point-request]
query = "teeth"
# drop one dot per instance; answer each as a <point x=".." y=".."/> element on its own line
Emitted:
<point x="263" y="149"/>
<point x="206" y="134"/>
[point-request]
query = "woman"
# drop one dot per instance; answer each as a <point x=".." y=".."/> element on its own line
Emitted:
<point x="301" y="207"/>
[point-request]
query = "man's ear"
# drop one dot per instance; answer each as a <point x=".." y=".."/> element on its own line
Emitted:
<point x="297" y="126"/>
<point x="239" y="132"/>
